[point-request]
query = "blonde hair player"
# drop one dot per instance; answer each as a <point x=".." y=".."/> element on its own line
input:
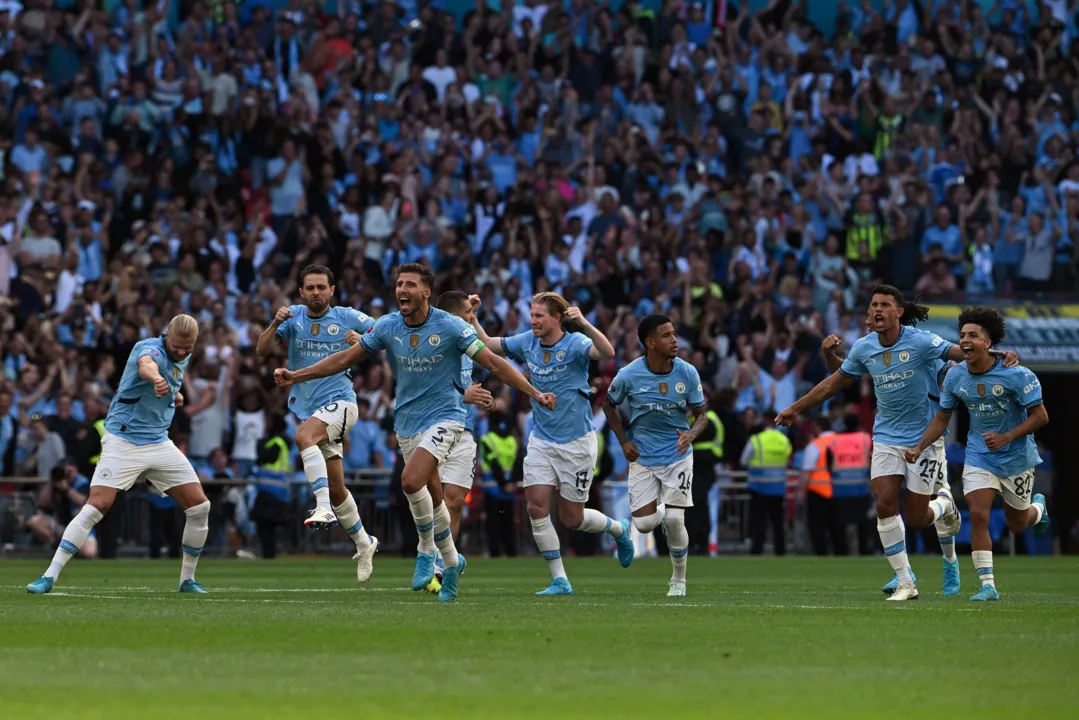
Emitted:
<point x="136" y="444"/>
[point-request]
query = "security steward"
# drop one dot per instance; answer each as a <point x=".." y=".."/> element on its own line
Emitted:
<point x="766" y="458"/>
<point x="707" y="453"/>
<point x="822" y="518"/>
<point x="273" y="497"/>
<point x="498" y="457"/>
<point x="852" y="452"/>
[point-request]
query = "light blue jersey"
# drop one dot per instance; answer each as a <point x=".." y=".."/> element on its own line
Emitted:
<point x="136" y="413"/>
<point x="427" y="367"/>
<point x="312" y="339"/>
<point x="561" y="369"/>
<point x="998" y="401"/>
<point x="659" y="405"/>
<point x="904" y="381"/>
<point x="466" y="382"/>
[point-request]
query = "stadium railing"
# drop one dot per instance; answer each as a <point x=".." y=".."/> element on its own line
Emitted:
<point x="387" y="517"/>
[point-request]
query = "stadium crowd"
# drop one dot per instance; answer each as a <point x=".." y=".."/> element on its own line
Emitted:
<point x="751" y="177"/>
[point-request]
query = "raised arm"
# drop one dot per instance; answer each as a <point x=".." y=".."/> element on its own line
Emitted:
<point x="268" y="339"/>
<point x="601" y="347"/>
<point x="828" y="353"/>
<point x="510" y="375"/>
<point x="336" y="363"/>
<point x="493" y="344"/>
<point x="151" y="373"/>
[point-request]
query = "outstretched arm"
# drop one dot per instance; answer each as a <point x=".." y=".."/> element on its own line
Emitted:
<point x="831" y="385"/>
<point x="336" y="363"/>
<point x="510" y="375"/>
<point x="493" y="344"/>
<point x="931" y="435"/>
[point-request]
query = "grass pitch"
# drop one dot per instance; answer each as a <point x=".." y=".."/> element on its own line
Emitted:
<point x="755" y="638"/>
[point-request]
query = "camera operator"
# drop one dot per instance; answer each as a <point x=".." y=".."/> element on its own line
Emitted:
<point x="57" y="503"/>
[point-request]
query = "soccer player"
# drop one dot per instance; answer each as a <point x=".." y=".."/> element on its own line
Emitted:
<point x="458" y="472"/>
<point x="946" y="540"/>
<point x="327" y="408"/>
<point x="903" y="363"/>
<point x="662" y="390"/>
<point x="563" y="448"/>
<point x="1006" y="409"/>
<point x="425" y="346"/>
<point x="136" y="444"/>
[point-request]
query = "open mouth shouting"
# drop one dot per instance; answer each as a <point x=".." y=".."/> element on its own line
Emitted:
<point x="967" y="348"/>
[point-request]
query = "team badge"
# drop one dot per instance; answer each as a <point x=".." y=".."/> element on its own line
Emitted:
<point x="904" y="356"/>
<point x="998" y="390"/>
<point x="435" y="340"/>
<point x="333" y="329"/>
<point x="546" y="358"/>
<point x="887" y="357"/>
<point x="680" y="388"/>
<point x="663" y="388"/>
<point x="413" y="341"/>
<point x="981" y="390"/>
<point x="315" y="328"/>
<point x="104" y="474"/>
<point x="176" y="373"/>
<point x="560" y="356"/>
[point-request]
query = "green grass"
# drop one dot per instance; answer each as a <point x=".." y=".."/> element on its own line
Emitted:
<point x="763" y="637"/>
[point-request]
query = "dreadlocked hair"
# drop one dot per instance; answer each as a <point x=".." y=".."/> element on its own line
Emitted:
<point x="913" y="313"/>
<point x="988" y="319"/>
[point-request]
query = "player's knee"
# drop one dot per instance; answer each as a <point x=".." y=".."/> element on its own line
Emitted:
<point x="1017" y="524"/>
<point x="538" y="511"/>
<point x="199" y="513"/>
<point x="644" y="525"/>
<point x="306" y="437"/>
<point x="979" y="516"/>
<point x="454" y="502"/>
<point x="102" y="503"/>
<point x="412" y="481"/>
<point x="674" y="516"/>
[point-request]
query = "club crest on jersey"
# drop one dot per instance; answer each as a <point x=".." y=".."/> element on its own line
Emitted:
<point x="887" y="357"/>
<point x="904" y="356"/>
<point x="104" y="474"/>
<point x="315" y="327"/>
<point x="680" y="388"/>
<point x="998" y="390"/>
<point x="560" y="356"/>
<point x="333" y="329"/>
<point x="435" y="340"/>
<point x="663" y="388"/>
<point x="176" y="373"/>
<point x="413" y="341"/>
<point x="981" y="389"/>
<point x="547" y="357"/>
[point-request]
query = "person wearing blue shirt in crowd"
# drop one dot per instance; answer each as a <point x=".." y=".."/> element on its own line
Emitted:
<point x="425" y="346"/>
<point x="136" y="445"/>
<point x="1006" y="409"/>
<point x="662" y="391"/>
<point x="327" y="408"/>
<point x="562" y="452"/>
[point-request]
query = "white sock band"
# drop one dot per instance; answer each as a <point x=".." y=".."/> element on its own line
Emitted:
<point x="983" y="565"/>
<point x="314" y="467"/>
<point x="348" y="516"/>
<point x="677" y="541"/>
<point x="444" y="535"/>
<point x="893" y="536"/>
<point x="547" y="543"/>
<point x="423" y="514"/>
<point x="194" y="538"/>
<point x="75" y="535"/>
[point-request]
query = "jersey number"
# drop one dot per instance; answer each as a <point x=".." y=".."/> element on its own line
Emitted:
<point x="683" y="481"/>
<point x="439" y="437"/>
<point x="1023" y="485"/>
<point x="582" y="479"/>
<point x="931" y="468"/>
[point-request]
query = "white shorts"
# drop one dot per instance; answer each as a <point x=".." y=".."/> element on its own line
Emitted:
<point x="123" y="463"/>
<point x="460" y="467"/>
<point x="670" y="484"/>
<point x="924" y="477"/>
<point x="1016" y="490"/>
<point x="340" y="416"/>
<point x="567" y="466"/>
<point x="439" y="440"/>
